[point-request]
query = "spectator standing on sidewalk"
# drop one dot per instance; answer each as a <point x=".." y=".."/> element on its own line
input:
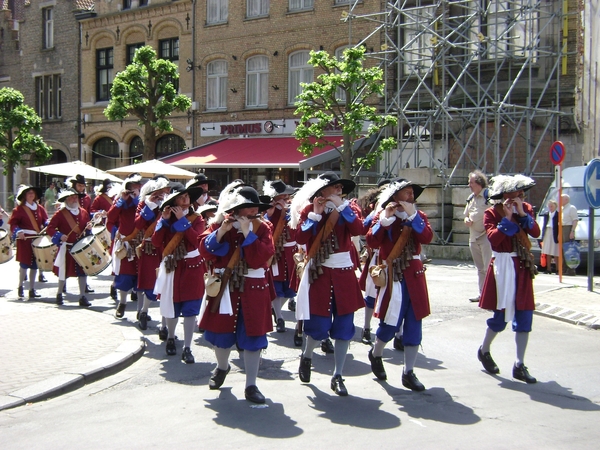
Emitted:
<point x="550" y="246"/>
<point x="570" y="219"/>
<point x="480" y="247"/>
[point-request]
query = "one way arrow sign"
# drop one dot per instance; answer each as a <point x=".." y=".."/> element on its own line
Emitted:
<point x="592" y="183"/>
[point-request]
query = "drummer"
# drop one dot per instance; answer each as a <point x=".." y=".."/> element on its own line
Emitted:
<point x="26" y="222"/>
<point x="127" y="237"/>
<point x="78" y="184"/>
<point x="65" y="227"/>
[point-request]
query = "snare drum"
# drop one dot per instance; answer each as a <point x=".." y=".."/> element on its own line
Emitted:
<point x="90" y="254"/>
<point x="6" y="250"/>
<point x="102" y="234"/>
<point x="44" y="251"/>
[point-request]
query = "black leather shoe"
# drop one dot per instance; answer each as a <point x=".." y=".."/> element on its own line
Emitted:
<point x="399" y="343"/>
<point x="138" y="315"/>
<point x="377" y="366"/>
<point x="218" y="378"/>
<point x="327" y="346"/>
<point x="186" y="356"/>
<point x="120" y="311"/>
<point x="366" y="336"/>
<point x="59" y="299"/>
<point x="163" y="333"/>
<point x="64" y="289"/>
<point x="88" y="289"/>
<point x="42" y="278"/>
<point x="280" y="326"/>
<point x="113" y="292"/>
<point x="84" y="302"/>
<point x="143" y="321"/>
<point x="337" y="386"/>
<point x="410" y="381"/>
<point x="134" y="296"/>
<point x="21" y="292"/>
<point x="297" y="340"/>
<point x="33" y="294"/>
<point x="253" y="395"/>
<point x="521" y="373"/>
<point x="171" y="349"/>
<point x="488" y="363"/>
<point x="304" y="369"/>
<point x="292" y="304"/>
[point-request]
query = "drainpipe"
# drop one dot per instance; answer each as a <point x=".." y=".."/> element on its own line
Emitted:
<point x="193" y="72"/>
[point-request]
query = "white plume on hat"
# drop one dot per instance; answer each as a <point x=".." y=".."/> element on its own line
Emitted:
<point x="268" y="189"/>
<point x="501" y="184"/>
<point x="226" y="199"/>
<point x="152" y="186"/>
<point x="386" y="193"/>
<point x="302" y="198"/>
<point x="115" y="189"/>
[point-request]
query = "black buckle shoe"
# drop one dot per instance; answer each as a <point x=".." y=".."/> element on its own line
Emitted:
<point x="163" y="333"/>
<point x="143" y="321"/>
<point x="138" y="315"/>
<point x="42" y="278"/>
<point x="59" y="299"/>
<point x="366" y="336"/>
<point x="134" y="296"/>
<point x="254" y="395"/>
<point x="84" y="302"/>
<point x="521" y="373"/>
<point x="327" y="346"/>
<point x="280" y="326"/>
<point x="88" y="289"/>
<point x="338" y="386"/>
<point x="33" y="294"/>
<point x="113" y="292"/>
<point x="218" y="378"/>
<point x="120" y="311"/>
<point x="488" y="363"/>
<point x="399" y="343"/>
<point x="171" y="349"/>
<point x="292" y="304"/>
<point x="304" y="369"/>
<point x="297" y="340"/>
<point x="410" y="381"/>
<point x="186" y="356"/>
<point x="377" y="366"/>
<point x="21" y="292"/>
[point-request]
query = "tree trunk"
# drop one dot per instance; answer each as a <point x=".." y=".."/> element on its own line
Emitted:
<point x="149" y="143"/>
<point x="346" y="162"/>
<point x="10" y="183"/>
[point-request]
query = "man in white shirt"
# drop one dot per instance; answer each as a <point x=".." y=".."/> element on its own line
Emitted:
<point x="570" y="219"/>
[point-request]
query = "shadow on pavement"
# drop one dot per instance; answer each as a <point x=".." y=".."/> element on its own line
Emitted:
<point x="551" y="393"/>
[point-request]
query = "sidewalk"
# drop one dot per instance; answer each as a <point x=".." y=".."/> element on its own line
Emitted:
<point x="50" y="350"/>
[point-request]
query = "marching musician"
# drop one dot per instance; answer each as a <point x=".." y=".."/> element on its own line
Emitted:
<point x="78" y="184"/>
<point x="65" y="227"/>
<point x="180" y="283"/>
<point x="149" y="256"/>
<point x="124" y="259"/>
<point x="238" y="245"/>
<point x="103" y="202"/>
<point x="26" y="222"/>
<point x="398" y="231"/>
<point x="206" y="184"/>
<point x="328" y="294"/>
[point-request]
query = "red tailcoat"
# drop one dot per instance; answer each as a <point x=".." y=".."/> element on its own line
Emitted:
<point x="188" y="283"/>
<point x="502" y="243"/>
<point x="102" y="202"/>
<point x="414" y="275"/>
<point x="341" y="282"/>
<point x="148" y="262"/>
<point x="256" y="299"/>
<point x="123" y="214"/>
<point x="59" y="223"/>
<point x="85" y="202"/>
<point x="19" y="219"/>
<point x="285" y="263"/>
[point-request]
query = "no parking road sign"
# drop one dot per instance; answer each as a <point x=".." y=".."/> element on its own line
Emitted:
<point x="591" y="183"/>
<point x="557" y="153"/>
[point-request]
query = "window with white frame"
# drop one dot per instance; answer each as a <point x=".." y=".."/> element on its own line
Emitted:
<point x="417" y="32"/>
<point x="216" y="85"/>
<point x="340" y="93"/>
<point x="297" y="5"/>
<point x="48" y="94"/>
<point x="299" y="72"/>
<point x="257" y="8"/>
<point x="104" y="73"/>
<point x="257" y="81"/>
<point x="216" y="11"/>
<point x="48" y="21"/>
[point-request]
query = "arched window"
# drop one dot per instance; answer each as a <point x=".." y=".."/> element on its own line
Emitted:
<point x="216" y="85"/>
<point x="168" y="145"/>
<point x="136" y="149"/>
<point x="299" y="72"/>
<point x="257" y="81"/>
<point x="105" y="154"/>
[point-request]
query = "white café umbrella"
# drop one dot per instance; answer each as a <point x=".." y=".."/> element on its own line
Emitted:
<point x="154" y="167"/>
<point x="70" y="169"/>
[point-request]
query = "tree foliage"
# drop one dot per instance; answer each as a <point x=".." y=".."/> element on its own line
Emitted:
<point x="320" y="106"/>
<point x="146" y="90"/>
<point x="20" y="143"/>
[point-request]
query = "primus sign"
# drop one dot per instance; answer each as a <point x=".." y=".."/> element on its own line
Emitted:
<point x="257" y="128"/>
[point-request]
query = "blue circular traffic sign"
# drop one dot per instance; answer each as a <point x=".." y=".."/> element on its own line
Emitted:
<point x="557" y="153"/>
<point x="591" y="183"/>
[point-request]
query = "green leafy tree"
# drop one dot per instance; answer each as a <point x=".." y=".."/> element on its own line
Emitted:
<point x="320" y="106"/>
<point x="20" y="143"/>
<point x="146" y="90"/>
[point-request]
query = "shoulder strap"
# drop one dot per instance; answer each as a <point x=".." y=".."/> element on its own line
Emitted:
<point x="323" y="234"/>
<point x="177" y="237"/>
<point x="34" y="224"/>
<point x="71" y="221"/>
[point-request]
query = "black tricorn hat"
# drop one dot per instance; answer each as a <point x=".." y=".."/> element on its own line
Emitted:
<point x="397" y="184"/>
<point x="76" y="179"/>
<point x="194" y="193"/>
<point x="332" y="178"/>
<point x="201" y="179"/>
<point x="246" y="197"/>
